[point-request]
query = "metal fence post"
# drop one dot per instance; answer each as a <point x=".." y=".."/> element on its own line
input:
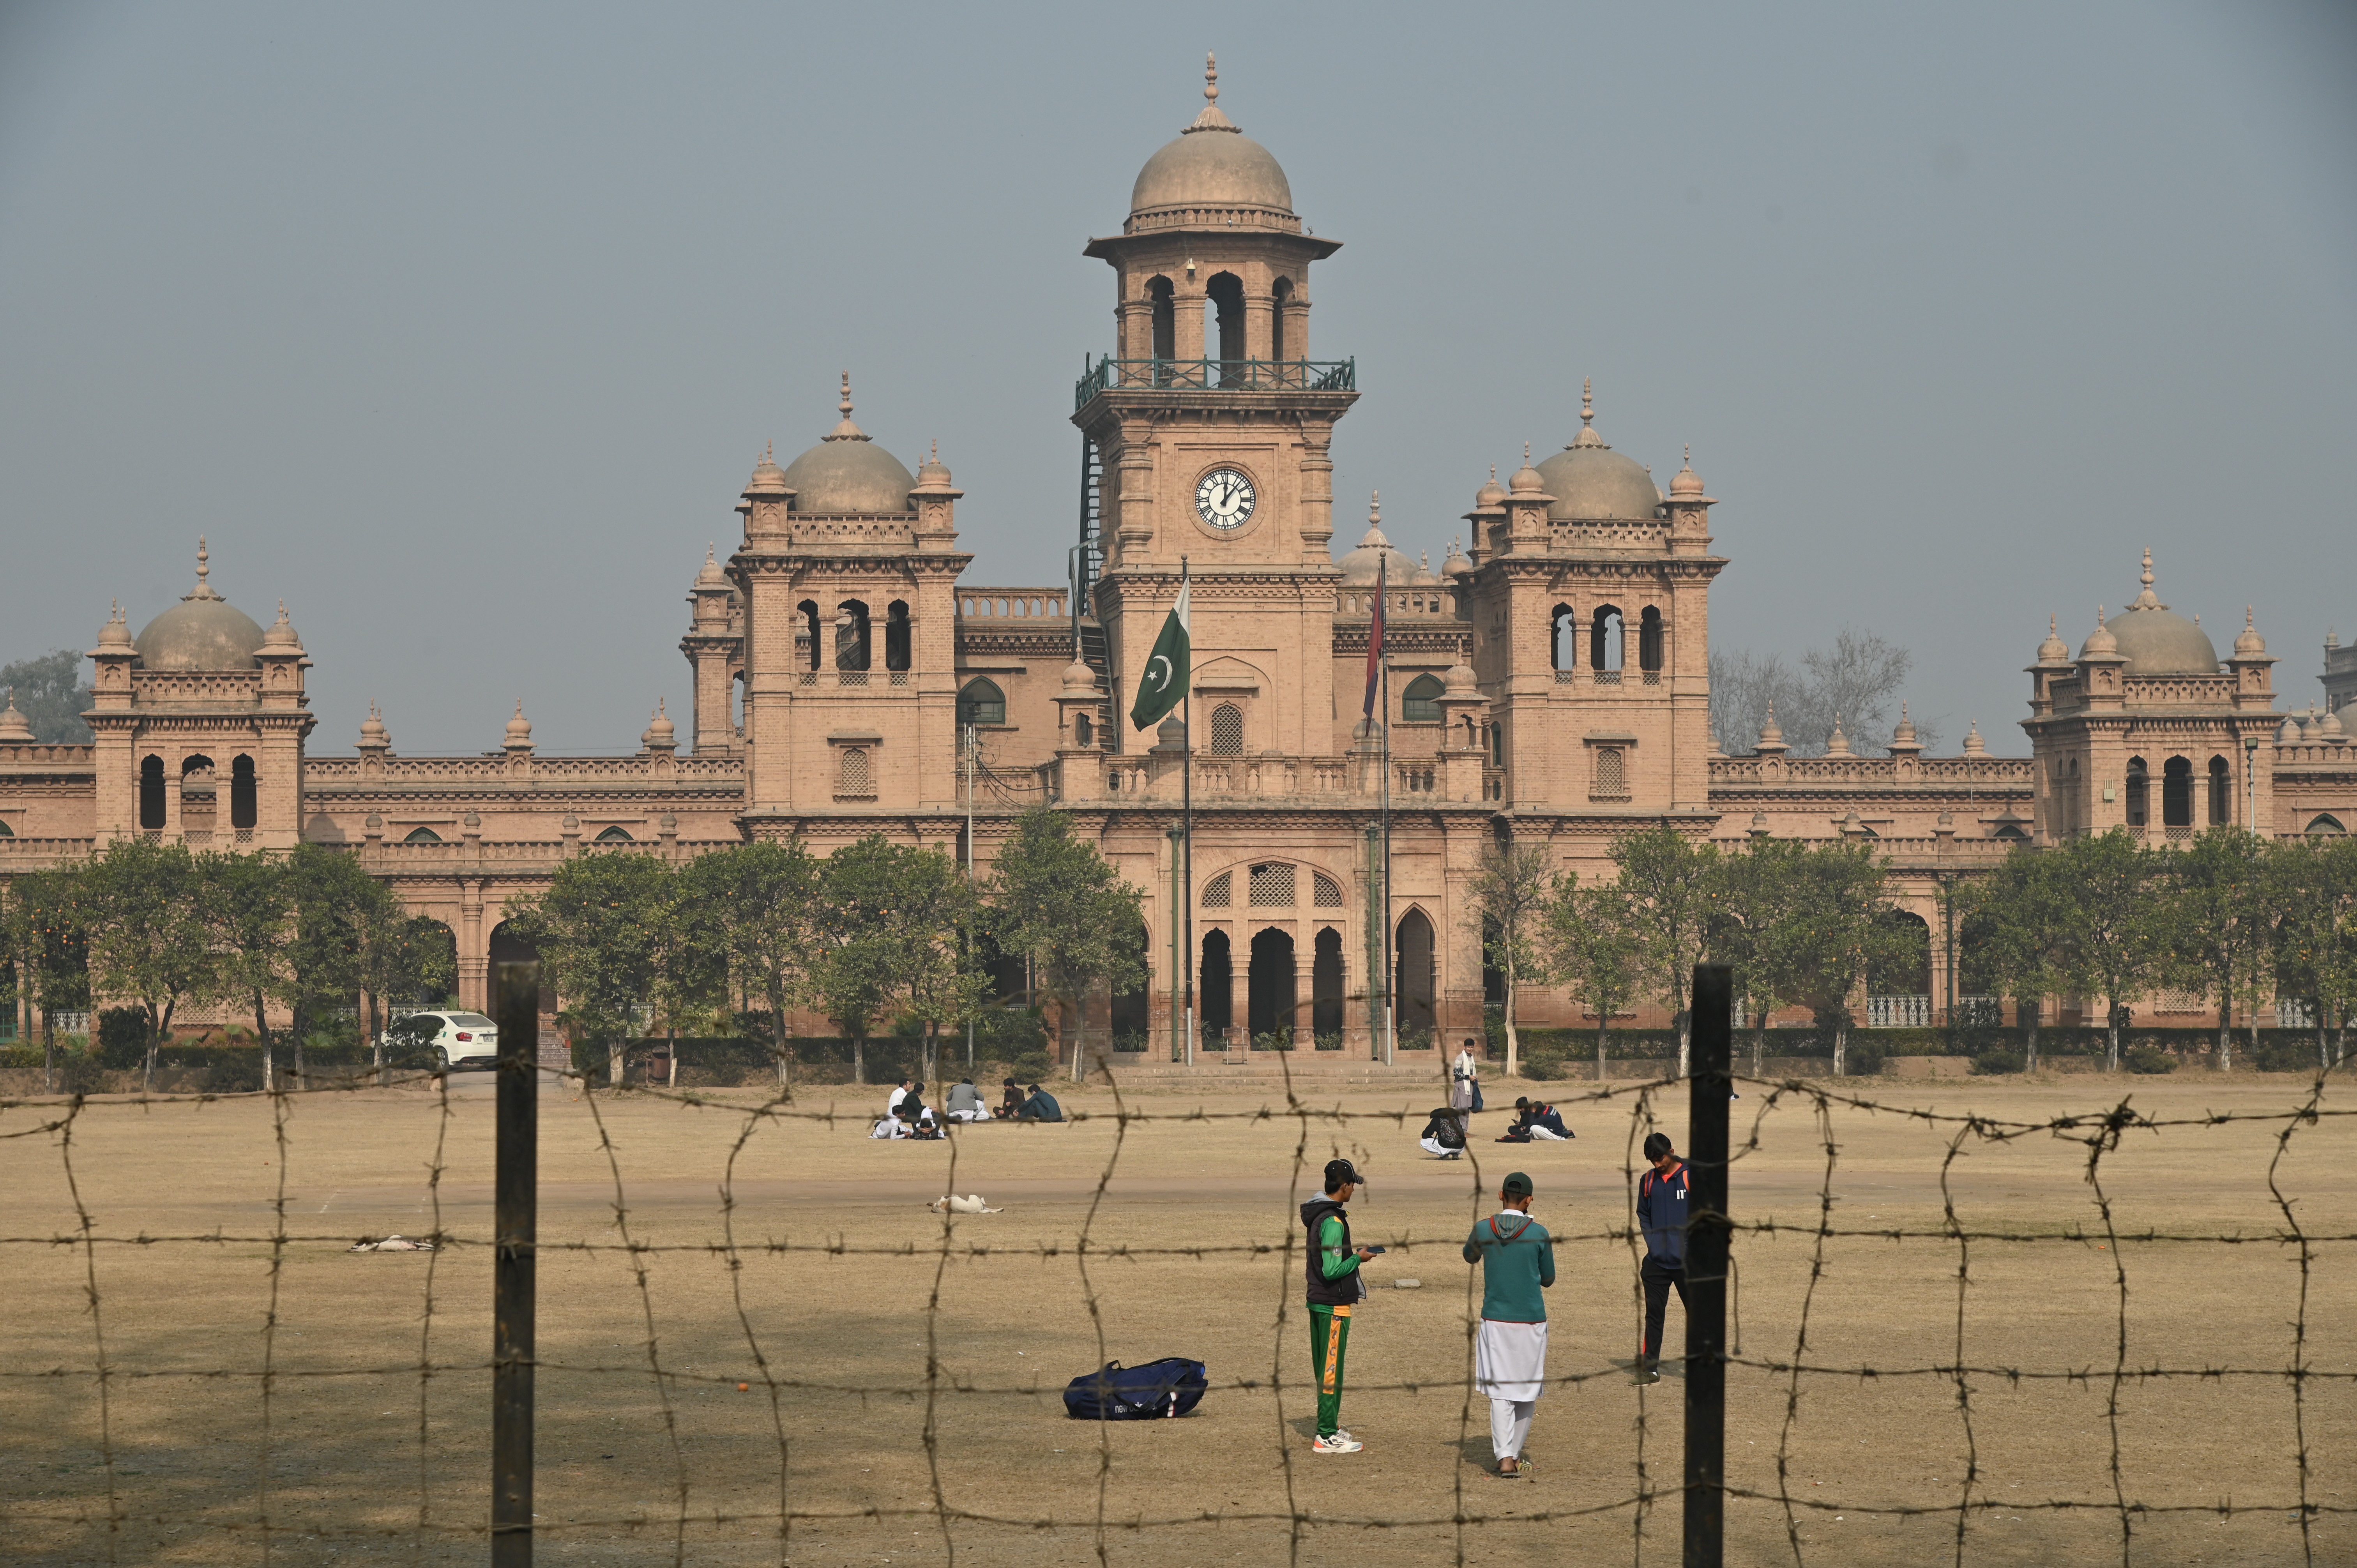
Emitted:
<point x="1707" y="1264"/>
<point x="515" y="1230"/>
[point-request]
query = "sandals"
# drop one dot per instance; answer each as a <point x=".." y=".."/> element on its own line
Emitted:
<point x="1521" y="1469"/>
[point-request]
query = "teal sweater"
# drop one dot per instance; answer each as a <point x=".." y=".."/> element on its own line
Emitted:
<point x="1517" y="1259"/>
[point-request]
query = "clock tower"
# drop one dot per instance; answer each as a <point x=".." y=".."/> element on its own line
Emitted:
<point x="1208" y="435"/>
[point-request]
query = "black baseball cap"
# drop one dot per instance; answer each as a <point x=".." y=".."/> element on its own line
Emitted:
<point x="1337" y="1172"/>
<point x="1517" y="1185"/>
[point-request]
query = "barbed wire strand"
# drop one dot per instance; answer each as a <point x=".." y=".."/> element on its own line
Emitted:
<point x="1096" y="1315"/>
<point x="1641" y="1124"/>
<point x="425" y="1368"/>
<point x="759" y="1118"/>
<point x="89" y="1225"/>
<point x="933" y="1357"/>
<point x="1823" y="1117"/>
<point x="279" y="1111"/>
<point x="1964" y="1383"/>
<point x="2299" y="1325"/>
<point x="2099" y="1146"/>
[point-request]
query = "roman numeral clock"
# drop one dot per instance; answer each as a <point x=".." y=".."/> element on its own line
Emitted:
<point x="1224" y="500"/>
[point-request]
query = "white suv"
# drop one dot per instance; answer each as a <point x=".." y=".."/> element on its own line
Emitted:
<point x="455" y="1039"/>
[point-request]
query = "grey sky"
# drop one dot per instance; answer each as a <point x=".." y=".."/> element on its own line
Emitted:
<point x="459" y="328"/>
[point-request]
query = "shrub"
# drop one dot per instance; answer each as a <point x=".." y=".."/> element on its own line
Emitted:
<point x="234" y="1072"/>
<point x="2000" y="1059"/>
<point x="2284" y="1056"/>
<point x="1865" y="1056"/>
<point x="2148" y="1060"/>
<point x="122" y="1038"/>
<point x="81" y="1074"/>
<point x="1282" y="1041"/>
<point x="1003" y="1034"/>
<point x="20" y="1056"/>
<point x="1330" y="1041"/>
<point x="1030" y="1067"/>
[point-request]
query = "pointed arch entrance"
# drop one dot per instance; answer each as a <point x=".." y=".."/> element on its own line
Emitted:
<point x="1272" y="988"/>
<point x="1417" y="979"/>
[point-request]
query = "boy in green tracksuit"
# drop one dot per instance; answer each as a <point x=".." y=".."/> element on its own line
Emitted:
<point x="1335" y="1287"/>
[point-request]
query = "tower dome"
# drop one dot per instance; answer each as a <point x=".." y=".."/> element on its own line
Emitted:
<point x="202" y="632"/>
<point x="1592" y="483"/>
<point x="848" y="472"/>
<point x="2156" y="640"/>
<point x="1376" y="555"/>
<point x="1211" y="163"/>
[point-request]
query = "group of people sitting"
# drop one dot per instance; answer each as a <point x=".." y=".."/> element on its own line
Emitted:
<point x="906" y="1114"/>
<point x="1444" y="1132"/>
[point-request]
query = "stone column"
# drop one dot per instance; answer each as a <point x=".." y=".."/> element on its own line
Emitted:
<point x="474" y="947"/>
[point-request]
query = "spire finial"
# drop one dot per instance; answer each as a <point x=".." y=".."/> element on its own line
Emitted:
<point x="845" y="403"/>
<point x="204" y="565"/>
<point x="2250" y="623"/>
<point x="1375" y="509"/>
<point x="2053" y="626"/>
<point x="1587" y="400"/>
<point x="1494" y="468"/>
<point x="1210" y="78"/>
<point x="937" y="450"/>
<point x="1689" y="453"/>
<point x="2146" y="578"/>
<point x="1526" y="454"/>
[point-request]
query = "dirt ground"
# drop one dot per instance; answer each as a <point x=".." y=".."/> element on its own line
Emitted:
<point x="355" y="1455"/>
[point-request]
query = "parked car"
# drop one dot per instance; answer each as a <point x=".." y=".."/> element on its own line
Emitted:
<point x="452" y="1040"/>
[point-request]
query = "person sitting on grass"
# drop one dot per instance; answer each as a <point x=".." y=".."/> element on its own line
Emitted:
<point x="966" y="1102"/>
<point x="893" y="1097"/>
<point x="1444" y="1133"/>
<point x="1537" y="1123"/>
<point x="1041" y="1107"/>
<point x="1010" y="1100"/>
<point x="890" y="1127"/>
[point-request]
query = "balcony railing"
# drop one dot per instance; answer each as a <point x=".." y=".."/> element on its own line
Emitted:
<point x="1216" y="375"/>
<point x="1897" y="1012"/>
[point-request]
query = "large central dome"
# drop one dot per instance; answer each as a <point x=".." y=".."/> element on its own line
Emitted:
<point x="202" y="633"/>
<point x="1592" y="483"/>
<point x="2156" y="640"/>
<point x="848" y="472"/>
<point x="1211" y="164"/>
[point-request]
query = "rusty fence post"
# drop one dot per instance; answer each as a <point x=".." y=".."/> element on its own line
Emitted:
<point x="1707" y="1236"/>
<point x="515" y="1229"/>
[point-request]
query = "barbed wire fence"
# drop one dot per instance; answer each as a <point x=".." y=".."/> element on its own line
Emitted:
<point x="95" y="1527"/>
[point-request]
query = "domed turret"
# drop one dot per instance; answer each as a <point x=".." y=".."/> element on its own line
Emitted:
<point x="1686" y="482"/>
<point x="2156" y="640"/>
<point x="1527" y="480"/>
<point x="2330" y="730"/>
<point x="710" y="576"/>
<point x="1973" y="745"/>
<point x="1491" y="493"/>
<point x="2100" y="643"/>
<point x="1839" y="745"/>
<point x="1771" y="734"/>
<point x="1375" y="555"/>
<point x="660" y="733"/>
<point x="519" y="732"/>
<point x="1458" y="564"/>
<point x="203" y="632"/>
<point x="848" y="472"/>
<point x="768" y="479"/>
<point x="281" y="632"/>
<point x="2248" y="641"/>
<point x="1079" y="676"/>
<point x="2053" y="650"/>
<point x="1211" y="164"/>
<point x="933" y="473"/>
<point x="374" y="736"/>
<point x="15" y="729"/>
<point x="2290" y="734"/>
<point x="1592" y="483"/>
<point x="116" y="632"/>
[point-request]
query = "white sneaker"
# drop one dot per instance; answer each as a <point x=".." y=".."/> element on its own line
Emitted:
<point x="1340" y="1443"/>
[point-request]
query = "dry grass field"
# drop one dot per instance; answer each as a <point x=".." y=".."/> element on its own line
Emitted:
<point x="355" y="1457"/>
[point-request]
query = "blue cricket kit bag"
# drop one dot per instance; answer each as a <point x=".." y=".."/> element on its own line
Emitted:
<point x="1170" y="1387"/>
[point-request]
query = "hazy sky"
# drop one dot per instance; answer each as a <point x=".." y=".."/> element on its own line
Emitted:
<point x="459" y="328"/>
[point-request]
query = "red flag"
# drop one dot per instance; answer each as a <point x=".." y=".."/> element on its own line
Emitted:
<point x="1375" y="633"/>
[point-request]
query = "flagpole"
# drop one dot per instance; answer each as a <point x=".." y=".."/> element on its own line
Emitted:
<point x="1187" y="834"/>
<point x="1391" y="977"/>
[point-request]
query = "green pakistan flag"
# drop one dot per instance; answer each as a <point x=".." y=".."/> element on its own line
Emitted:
<point x="1167" y="669"/>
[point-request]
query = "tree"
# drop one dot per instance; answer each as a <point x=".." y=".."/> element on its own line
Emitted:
<point x="1833" y="928"/>
<point x="2113" y="931"/>
<point x="1748" y="918"/>
<point x="148" y="938"/>
<point x="2215" y="906"/>
<point x="1857" y="678"/>
<point x="598" y="930"/>
<point x="890" y="924"/>
<point x="2312" y="885"/>
<point x="2022" y="921"/>
<point x="1669" y="880"/>
<point x="402" y="955"/>
<point x="1056" y="901"/>
<point x="1594" y="946"/>
<point x="49" y="693"/>
<point x="249" y="908"/>
<point x="47" y="925"/>
<point x="755" y="905"/>
<point x="1509" y="892"/>
<point x="336" y="904"/>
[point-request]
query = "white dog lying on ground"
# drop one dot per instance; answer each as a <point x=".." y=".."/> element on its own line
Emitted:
<point x="970" y="1204"/>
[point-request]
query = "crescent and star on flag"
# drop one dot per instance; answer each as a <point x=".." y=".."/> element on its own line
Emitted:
<point x="1163" y="683"/>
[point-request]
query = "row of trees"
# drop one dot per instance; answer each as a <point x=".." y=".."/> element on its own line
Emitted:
<point x="161" y="928"/>
<point x="1802" y="924"/>
<point x="874" y="935"/>
<point x="2230" y="917"/>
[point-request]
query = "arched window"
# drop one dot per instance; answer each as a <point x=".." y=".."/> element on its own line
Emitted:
<point x="981" y="703"/>
<point x="1219" y="981"/>
<point x="614" y="835"/>
<point x="242" y="812"/>
<point x="1163" y="297"/>
<point x="851" y="635"/>
<point x="851" y="779"/>
<point x="1083" y="732"/>
<point x="1272" y="887"/>
<point x="7" y="831"/>
<point x="1325" y="893"/>
<point x="1563" y="643"/>
<point x="896" y="635"/>
<point x="1418" y="979"/>
<point x="1649" y="639"/>
<point x="1604" y="650"/>
<point x="1326" y="989"/>
<point x="422" y="836"/>
<point x="1420" y="704"/>
<point x="1270" y="994"/>
<point x="1611" y="774"/>
<point x="1215" y="892"/>
<point x="2325" y="827"/>
<point x="2136" y="792"/>
<point x="1224" y="297"/>
<point x="2222" y="792"/>
<point x="1227" y="730"/>
<point x="806" y="635"/>
<point x="1280" y="340"/>
<point x="151" y="792"/>
<point x="2176" y="793"/>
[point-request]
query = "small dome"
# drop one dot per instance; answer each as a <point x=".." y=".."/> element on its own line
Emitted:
<point x="2156" y="640"/>
<point x="2248" y="643"/>
<point x="518" y="732"/>
<point x="1079" y="676"/>
<point x="2290" y="734"/>
<point x="932" y="472"/>
<point x="1375" y="555"/>
<point x="661" y="731"/>
<point x="1686" y="482"/>
<point x="1528" y="480"/>
<point x="1459" y="678"/>
<point x="1458" y="564"/>
<point x="1839" y="745"/>
<point x="202" y="632"/>
<point x="1211" y="164"/>
<point x="2100" y="643"/>
<point x="1973" y="745"/>
<point x="2053" y="650"/>
<point x="2330" y="730"/>
<point x="1491" y="493"/>
<point x="1904" y="738"/>
<point x="847" y="472"/>
<point x="711" y="578"/>
<point x="1592" y="483"/>
<point x="373" y="735"/>
<point x="768" y="479"/>
<point x="15" y="729"/>
<point x="116" y="632"/>
<point x="1771" y="734"/>
<point x="281" y="631"/>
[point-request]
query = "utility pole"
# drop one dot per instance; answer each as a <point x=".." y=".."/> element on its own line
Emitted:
<point x="966" y="749"/>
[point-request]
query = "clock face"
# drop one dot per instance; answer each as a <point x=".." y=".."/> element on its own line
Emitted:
<point x="1224" y="499"/>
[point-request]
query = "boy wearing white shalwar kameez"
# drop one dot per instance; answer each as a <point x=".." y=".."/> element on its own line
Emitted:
<point x="1517" y="1259"/>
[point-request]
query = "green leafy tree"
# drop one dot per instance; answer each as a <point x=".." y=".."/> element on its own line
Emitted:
<point x="756" y="906"/>
<point x="2216" y="906"/>
<point x="1056" y="901"/>
<point x="2312" y="886"/>
<point x="402" y="956"/>
<point x="249" y="908"/>
<point x="49" y="692"/>
<point x="1748" y="918"/>
<point x="337" y="905"/>
<point x="1670" y="881"/>
<point x="1508" y="893"/>
<point x="145" y="909"/>
<point x="2019" y="920"/>
<point x="49" y="932"/>
<point x="891" y="926"/>
<point x="599" y="929"/>
<point x="2116" y="929"/>
<point x="1833" y="927"/>
<point x="1595" y="945"/>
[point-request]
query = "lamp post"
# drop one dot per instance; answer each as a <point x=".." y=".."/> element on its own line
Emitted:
<point x="2251" y="781"/>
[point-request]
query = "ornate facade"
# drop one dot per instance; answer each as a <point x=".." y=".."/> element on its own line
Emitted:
<point x="1548" y="684"/>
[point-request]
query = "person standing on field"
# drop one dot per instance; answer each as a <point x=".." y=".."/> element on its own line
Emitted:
<point x="1335" y="1287"/>
<point x="1465" y="1080"/>
<point x="1517" y="1259"/>
<point x="1662" y="1217"/>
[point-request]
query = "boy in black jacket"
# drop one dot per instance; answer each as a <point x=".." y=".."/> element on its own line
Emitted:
<point x="1662" y="1217"/>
